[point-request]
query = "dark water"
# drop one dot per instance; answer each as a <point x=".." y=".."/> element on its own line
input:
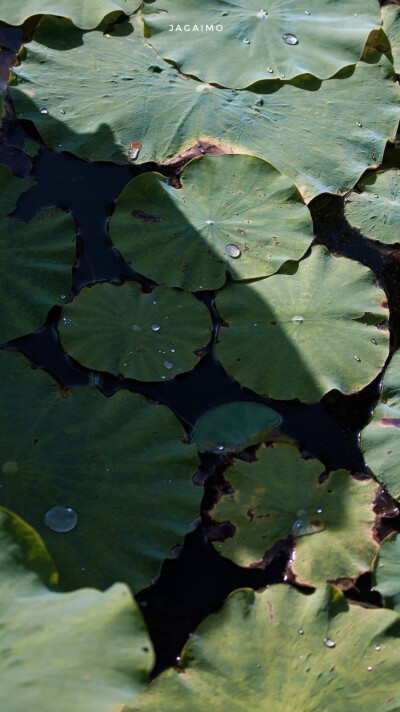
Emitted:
<point x="198" y="580"/>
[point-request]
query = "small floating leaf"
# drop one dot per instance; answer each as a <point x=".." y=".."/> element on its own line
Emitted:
<point x="234" y="426"/>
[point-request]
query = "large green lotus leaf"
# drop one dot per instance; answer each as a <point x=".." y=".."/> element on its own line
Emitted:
<point x="118" y="462"/>
<point x="380" y="439"/>
<point x="376" y="210"/>
<point x="247" y="44"/>
<point x="386" y="571"/>
<point x="225" y="202"/>
<point x="302" y="334"/>
<point x="36" y="261"/>
<point x="251" y="655"/>
<point x="112" y="108"/>
<point x="86" y="14"/>
<point x="145" y="336"/>
<point x="233" y="426"/>
<point x="279" y="495"/>
<point x="81" y="651"/>
<point x="391" y="25"/>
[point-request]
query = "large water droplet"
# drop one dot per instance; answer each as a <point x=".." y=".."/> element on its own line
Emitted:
<point x="305" y="525"/>
<point x="61" y="519"/>
<point x="233" y="251"/>
<point x="298" y="319"/>
<point x="290" y="39"/>
<point x="329" y="643"/>
<point x="10" y="468"/>
<point x="43" y="110"/>
<point x="155" y="327"/>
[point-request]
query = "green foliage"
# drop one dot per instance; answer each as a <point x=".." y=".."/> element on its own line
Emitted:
<point x="386" y="571"/>
<point x="118" y="462"/>
<point x="141" y="100"/>
<point x="391" y="25"/>
<point x="279" y="495"/>
<point x="266" y="651"/>
<point x="146" y="336"/>
<point x="284" y="332"/>
<point x="231" y="427"/>
<point x="251" y="45"/>
<point x="81" y="651"/>
<point x="86" y="14"/>
<point x="36" y="261"/>
<point x="375" y="212"/>
<point x="225" y="202"/>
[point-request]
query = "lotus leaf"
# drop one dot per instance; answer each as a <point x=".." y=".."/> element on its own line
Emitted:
<point x="86" y="14"/>
<point x="386" y="574"/>
<point x="280" y="650"/>
<point x="391" y="25"/>
<point x="117" y="465"/>
<point x="233" y="426"/>
<point x="380" y="440"/>
<point x="302" y="334"/>
<point x="150" y="337"/>
<point x="279" y="495"/>
<point x="85" y="650"/>
<point x="35" y="264"/>
<point x="140" y="108"/>
<point x="232" y="212"/>
<point x="376" y="210"/>
<point x="247" y="44"/>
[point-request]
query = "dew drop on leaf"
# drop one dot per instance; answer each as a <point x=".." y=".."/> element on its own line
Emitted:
<point x="61" y="519"/>
<point x="155" y="327"/>
<point x="329" y="643"/>
<point x="290" y="39"/>
<point x="305" y="525"/>
<point x="233" y="251"/>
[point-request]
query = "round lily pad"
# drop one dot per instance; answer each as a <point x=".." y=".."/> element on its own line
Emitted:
<point x="94" y="644"/>
<point x="120" y="329"/>
<point x="376" y="210"/>
<point x="36" y="260"/>
<point x="386" y="571"/>
<point x="306" y="330"/>
<point x="282" y="650"/>
<point x="279" y="495"/>
<point x="236" y="44"/>
<point x="118" y="465"/>
<point x="380" y="439"/>
<point x="142" y="109"/>
<point x="232" y="212"/>
<point x="86" y="14"/>
<point x="233" y="426"/>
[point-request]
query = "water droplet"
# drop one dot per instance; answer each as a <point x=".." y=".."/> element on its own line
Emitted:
<point x="246" y="41"/>
<point x="369" y="668"/>
<point x="209" y="222"/>
<point x="357" y="358"/>
<point x="61" y="519"/>
<point x="43" y="110"/>
<point x="220" y="447"/>
<point x="261" y="14"/>
<point x="270" y="70"/>
<point x="290" y="39"/>
<point x="136" y="327"/>
<point x="10" y="468"/>
<point x="168" y="364"/>
<point x="377" y="647"/>
<point x="305" y="525"/>
<point x="306" y="12"/>
<point x="62" y="296"/>
<point x="298" y="319"/>
<point x="255" y="324"/>
<point x="233" y="251"/>
<point x="300" y="631"/>
<point x="358" y="123"/>
<point x="282" y="76"/>
<point x="374" y="341"/>
<point x="329" y="643"/>
<point x="204" y="88"/>
<point x="155" y="327"/>
<point x="258" y="665"/>
<point x="62" y="111"/>
<point x="318" y="511"/>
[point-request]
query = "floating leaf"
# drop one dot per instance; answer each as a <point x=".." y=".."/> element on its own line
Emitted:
<point x="279" y="495"/>
<point x="146" y="336"/>
<point x="376" y="210"/>
<point x="266" y="651"/>
<point x="236" y="44"/>
<point x="391" y="25"/>
<point x="380" y="439"/>
<point x="232" y="212"/>
<point x="36" y="261"/>
<point x="233" y="426"/>
<point x="386" y="571"/>
<point x="302" y="334"/>
<point x="141" y="99"/>
<point x="119" y="463"/>
<point x="86" y="14"/>
<point x="84" y="650"/>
